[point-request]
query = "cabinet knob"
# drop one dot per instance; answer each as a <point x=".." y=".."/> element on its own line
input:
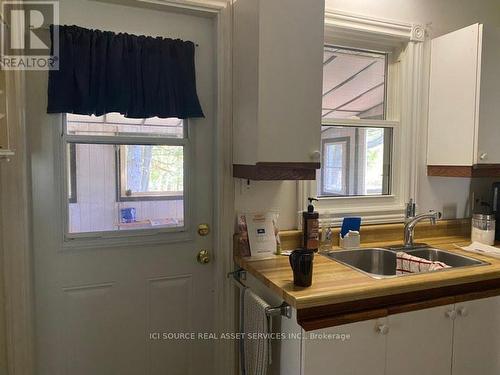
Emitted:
<point x="483" y="156"/>
<point x="315" y="155"/>
<point x="383" y="329"/>
<point x="452" y="314"/>
<point x="462" y="311"/>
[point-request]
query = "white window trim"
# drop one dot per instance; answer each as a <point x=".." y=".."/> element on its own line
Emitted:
<point x="344" y="142"/>
<point x="403" y="42"/>
<point x="121" y="237"/>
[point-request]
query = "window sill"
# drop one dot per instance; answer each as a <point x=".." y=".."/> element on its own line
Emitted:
<point x="356" y="197"/>
<point x="126" y="238"/>
<point x="368" y="216"/>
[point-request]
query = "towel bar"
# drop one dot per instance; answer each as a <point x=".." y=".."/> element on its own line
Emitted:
<point x="284" y="309"/>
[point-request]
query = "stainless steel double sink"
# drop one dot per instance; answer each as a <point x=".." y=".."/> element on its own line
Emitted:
<point x="380" y="263"/>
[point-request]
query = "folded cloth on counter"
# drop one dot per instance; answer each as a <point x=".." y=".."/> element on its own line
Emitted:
<point x="406" y="263"/>
<point x="479" y="248"/>
<point x="256" y="327"/>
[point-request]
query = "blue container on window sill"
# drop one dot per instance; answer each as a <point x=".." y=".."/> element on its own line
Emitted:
<point x="127" y="215"/>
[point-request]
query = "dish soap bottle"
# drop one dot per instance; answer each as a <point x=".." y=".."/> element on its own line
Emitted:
<point x="310" y="227"/>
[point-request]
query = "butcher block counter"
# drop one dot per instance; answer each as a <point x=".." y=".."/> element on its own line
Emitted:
<point x="340" y="294"/>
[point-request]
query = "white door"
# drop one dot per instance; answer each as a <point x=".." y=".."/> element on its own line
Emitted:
<point x="476" y="337"/>
<point x="419" y="342"/>
<point x="110" y="304"/>
<point x="350" y="349"/>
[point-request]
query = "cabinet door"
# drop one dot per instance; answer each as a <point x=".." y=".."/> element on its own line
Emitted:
<point x="452" y="98"/>
<point x="476" y="340"/>
<point x="488" y="151"/>
<point x="419" y="342"/>
<point x="361" y="352"/>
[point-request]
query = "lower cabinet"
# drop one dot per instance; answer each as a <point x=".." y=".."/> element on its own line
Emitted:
<point x="460" y="339"/>
<point x="476" y="337"/>
<point x="361" y="352"/>
<point x="420" y="342"/>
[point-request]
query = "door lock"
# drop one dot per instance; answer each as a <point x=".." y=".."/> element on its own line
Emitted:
<point x="203" y="257"/>
<point x="203" y="230"/>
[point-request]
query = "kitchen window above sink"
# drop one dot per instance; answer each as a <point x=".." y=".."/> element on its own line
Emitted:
<point x="370" y="116"/>
<point x="356" y="160"/>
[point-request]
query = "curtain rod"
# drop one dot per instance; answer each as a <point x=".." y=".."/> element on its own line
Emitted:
<point x="43" y="27"/>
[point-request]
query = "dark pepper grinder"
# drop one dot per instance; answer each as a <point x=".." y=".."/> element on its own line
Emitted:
<point x="301" y="261"/>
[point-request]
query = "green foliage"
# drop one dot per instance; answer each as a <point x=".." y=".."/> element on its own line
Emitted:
<point x="167" y="169"/>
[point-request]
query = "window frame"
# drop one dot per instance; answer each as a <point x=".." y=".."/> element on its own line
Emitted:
<point x="402" y="43"/>
<point x="119" y="176"/>
<point x="118" y="237"/>
<point x="345" y="142"/>
<point x="71" y="163"/>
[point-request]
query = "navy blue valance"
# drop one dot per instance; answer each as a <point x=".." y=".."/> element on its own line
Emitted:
<point x="138" y="76"/>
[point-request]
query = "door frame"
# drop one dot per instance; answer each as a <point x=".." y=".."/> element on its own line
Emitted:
<point x="15" y="181"/>
<point x="17" y="259"/>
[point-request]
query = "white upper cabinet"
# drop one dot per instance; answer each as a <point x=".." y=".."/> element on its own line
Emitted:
<point x="277" y="78"/>
<point x="464" y="97"/>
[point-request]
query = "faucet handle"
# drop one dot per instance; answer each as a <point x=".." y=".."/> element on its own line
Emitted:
<point x="438" y="214"/>
<point x="410" y="209"/>
<point x="436" y="217"/>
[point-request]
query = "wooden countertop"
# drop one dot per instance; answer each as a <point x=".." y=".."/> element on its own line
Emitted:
<point x="334" y="283"/>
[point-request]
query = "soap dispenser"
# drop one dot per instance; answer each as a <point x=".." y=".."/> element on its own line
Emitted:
<point x="310" y="227"/>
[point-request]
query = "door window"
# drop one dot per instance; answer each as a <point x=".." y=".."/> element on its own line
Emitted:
<point x="124" y="174"/>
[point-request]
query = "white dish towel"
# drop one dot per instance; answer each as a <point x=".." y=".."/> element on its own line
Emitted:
<point x="256" y="351"/>
<point x="482" y="249"/>
<point x="406" y="263"/>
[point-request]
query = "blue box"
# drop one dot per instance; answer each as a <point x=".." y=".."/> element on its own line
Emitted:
<point x="127" y="215"/>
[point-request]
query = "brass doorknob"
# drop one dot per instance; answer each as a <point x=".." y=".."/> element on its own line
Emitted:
<point x="203" y="257"/>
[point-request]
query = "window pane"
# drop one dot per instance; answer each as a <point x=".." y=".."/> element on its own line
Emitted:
<point x="116" y="124"/>
<point x="355" y="161"/>
<point x="151" y="171"/>
<point x="353" y="84"/>
<point x="97" y="206"/>
<point x="334" y="167"/>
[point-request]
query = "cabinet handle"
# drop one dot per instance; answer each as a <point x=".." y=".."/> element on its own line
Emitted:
<point x="383" y="329"/>
<point x="483" y="156"/>
<point x="452" y="314"/>
<point x="462" y="311"/>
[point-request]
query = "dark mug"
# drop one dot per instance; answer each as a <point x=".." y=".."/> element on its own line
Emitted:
<point x="301" y="261"/>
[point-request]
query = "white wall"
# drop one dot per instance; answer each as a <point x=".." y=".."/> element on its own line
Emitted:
<point x="268" y="195"/>
<point x="450" y="195"/>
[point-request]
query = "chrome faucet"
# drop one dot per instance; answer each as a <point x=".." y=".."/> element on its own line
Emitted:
<point x="433" y="216"/>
